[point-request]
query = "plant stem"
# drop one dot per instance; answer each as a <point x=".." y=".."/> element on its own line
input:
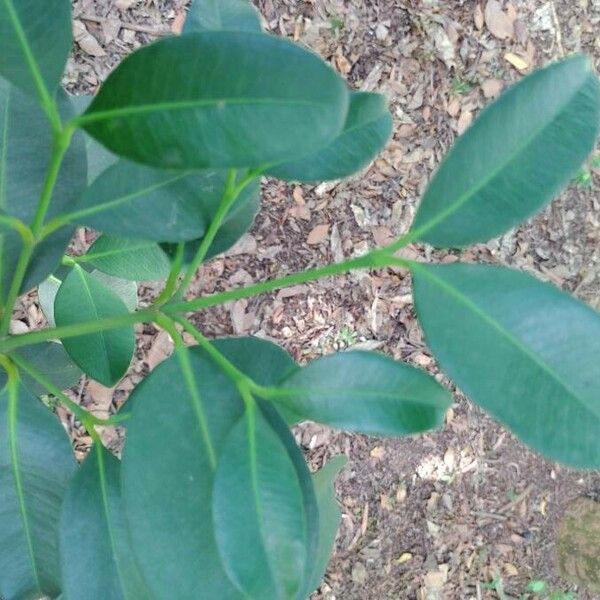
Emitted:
<point x="240" y="378"/>
<point x="15" y="286"/>
<point x="35" y="337"/>
<point x="171" y="284"/>
<point x="230" y="195"/>
<point x="17" y="225"/>
<point x="371" y="260"/>
<point x="62" y="141"/>
<point x="88" y="420"/>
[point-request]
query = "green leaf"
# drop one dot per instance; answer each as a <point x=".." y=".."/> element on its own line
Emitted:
<point x="367" y="129"/>
<point x="330" y="515"/>
<point x="262" y="540"/>
<point x="523" y="350"/>
<point x="136" y="260"/>
<point x="36" y="462"/>
<point x="309" y="498"/>
<point x="221" y="15"/>
<point x="164" y="206"/>
<point x="52" y="361"/>
<point x="366" y="392"/>
<point x="218" y="99"/>
<point x="25" y="150"/>
<point x="35" y="41"/>
<point x="126" y="290"/>
<point x="519" y="153"/>
<point x="235" y="226"/>
<point x="174" y="437"/>
<point x="47" y="291"/>
<point x="97" y="560"/>
<point x="104" y="356"/>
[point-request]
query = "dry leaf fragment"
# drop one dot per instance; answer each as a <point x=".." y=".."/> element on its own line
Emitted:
<point x="317" y="235"/>
<point x="465" y="119"/>
<point x="87" y="42"/>
<point x="498" y="22"/>
<point x="478" y="17"/>
<point x="125" y="4"/>
<point x="179" y="22"/>
<point x="491" y="88"/>
<point x="516" y="61"/>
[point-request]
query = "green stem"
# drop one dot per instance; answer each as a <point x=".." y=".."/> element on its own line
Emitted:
<point x="15" y="286"/>
<point x="240" y="378"/>
<point x="17" y="225"/>
<point x="171" y="284"/>
<point x="230" y="195"/>
<point x="372" y="260"/>
<point x="88" y="420"/>
<point x="62" y="141"/>
<point x="35" y="337"/>
<point x="375" y="259"/>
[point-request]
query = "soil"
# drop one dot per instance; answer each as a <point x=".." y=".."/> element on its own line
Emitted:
<point x="466" y="512"/>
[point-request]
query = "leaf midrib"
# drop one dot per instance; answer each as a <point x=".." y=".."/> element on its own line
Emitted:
<point x="103" y="115"/>
<point x="101" y="334"/>
<point x="469" y="194"/>
<point x="461" y="298"/>
<point x="13" y="400"/>
<point x="109" y="523"/>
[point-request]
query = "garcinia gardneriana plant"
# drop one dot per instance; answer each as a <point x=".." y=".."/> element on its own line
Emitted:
<point x="213" y="499"/>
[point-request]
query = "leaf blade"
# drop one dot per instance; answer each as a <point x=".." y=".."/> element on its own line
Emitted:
<point x="270" y="117"/>
<point x="367" y="129"/>
<point x="94" y="541"/>
<point x="519" y="153"/>
<point x="221" y="15"/>
<point x="366" y="392"/>
<point x="528" y="356"/>
<point x="36" y="463"/>
<point x="104" y="356"/>
<point x="265" y="559"/>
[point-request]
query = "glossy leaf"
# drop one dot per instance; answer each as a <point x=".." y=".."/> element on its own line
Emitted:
<point x="35" y="40"/>
<point x="262" y="540"/>
<point x="221" y="15"/>
<point x="523" y="350"/>
<point x="25" y="149"/>
<point x="309" y="499"/>
<point x="261" y="360"/>
<point x="52" y="361"/>
<point x="519" y="153"/>
<point x="330" y="515"/>
<point x="47" y="290"/>
<point x="104" y="356"/>
<point x="165" y="206"/>
<point x="136" y="260"/>
<point x="173" y="441"/>
<point x="126" y="290"/>
<point x="367" y="129"/>
<point x="366" y="392"/>
<point x="267" y="101"/>
<point x="238" y="223"/>
<point x="36" y="463"/>
<point x="97" y="560"/>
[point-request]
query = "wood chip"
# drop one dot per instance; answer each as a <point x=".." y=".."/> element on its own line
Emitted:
<point x="317" y="235"/>
<point x="87" y="42"/>
<point x="478" y="17"/>
<point x="497" y="21"/>
<point x="491" y="88"/>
